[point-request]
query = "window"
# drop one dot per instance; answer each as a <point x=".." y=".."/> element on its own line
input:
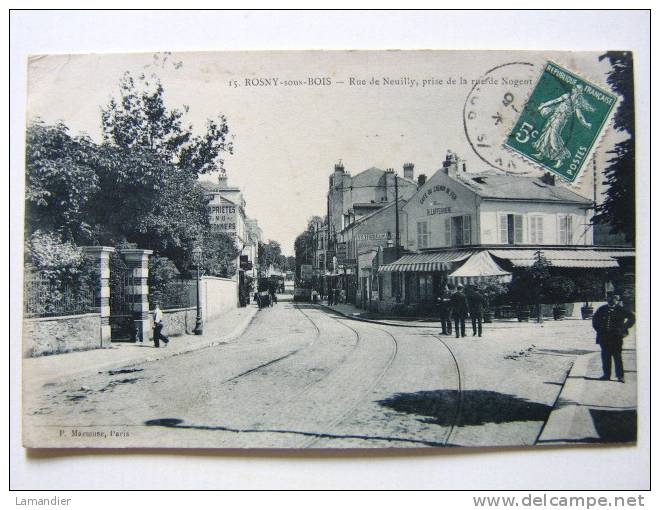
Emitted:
<point x="461" y="230"/>
<point x="447" y="231"/>
<point x="511" y="228"/>
<point x="565" y="229"/>
<point x="396" y="285"/>
<point x="425" y="288"/>
<point x="422" y="235"/>
<point x="536" y="229"/>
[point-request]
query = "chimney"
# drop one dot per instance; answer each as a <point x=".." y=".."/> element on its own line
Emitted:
<point x="223" y="180"/>
<point x="548" y="178"/>
<point x="339" y="167"/>
<point x="450" y="164"/>
<point x="408" y="171"/>
<point x="421" y="180"/>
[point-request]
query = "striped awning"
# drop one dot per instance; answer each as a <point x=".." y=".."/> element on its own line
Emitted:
<point x="478" y="268"/>
<point x="559" y="258"/>
<point x="422" y="262"/>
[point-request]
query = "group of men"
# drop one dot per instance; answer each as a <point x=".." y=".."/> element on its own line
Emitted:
<point x="456" y="305"/>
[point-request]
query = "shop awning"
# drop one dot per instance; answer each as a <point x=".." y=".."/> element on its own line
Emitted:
<point x="421" y="262"/>
<point x="479" y="267"/>
<point x="559" y="258"/>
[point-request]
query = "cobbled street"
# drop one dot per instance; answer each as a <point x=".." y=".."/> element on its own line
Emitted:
<point x="302" y="376"/>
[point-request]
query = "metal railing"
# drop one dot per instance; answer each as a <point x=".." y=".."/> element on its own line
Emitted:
<point x="47" y="298"/>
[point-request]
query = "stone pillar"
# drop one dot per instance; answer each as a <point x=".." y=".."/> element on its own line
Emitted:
<point x="137" y="262"/>
<point x="100" y="255"/>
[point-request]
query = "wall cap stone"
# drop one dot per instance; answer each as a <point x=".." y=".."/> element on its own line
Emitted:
<point x="93" y="250"/>
<point x="60" y="317"/>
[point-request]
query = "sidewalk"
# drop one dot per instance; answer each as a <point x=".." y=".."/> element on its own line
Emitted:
<point x="353" y="312"/>
<point x="589" y="410"/>
<point x="46" y="369"/>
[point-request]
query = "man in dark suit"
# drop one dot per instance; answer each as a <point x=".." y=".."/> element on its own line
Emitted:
<point x="612" y="322"/>
<point x="445" y="311"/>
<point x="476" y="303"/>
<point x="459" y="310"/>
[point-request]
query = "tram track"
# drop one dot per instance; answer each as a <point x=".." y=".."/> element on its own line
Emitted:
<point x="459" y="391"/>
<point x="351" y="409"/>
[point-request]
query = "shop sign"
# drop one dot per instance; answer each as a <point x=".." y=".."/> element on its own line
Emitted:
<point x="341" y="252"/>
<point x="372" y="236"/>
<point x="438" y="188"/>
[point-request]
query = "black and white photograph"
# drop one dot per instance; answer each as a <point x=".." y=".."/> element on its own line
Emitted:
<point x="328" y="249"/>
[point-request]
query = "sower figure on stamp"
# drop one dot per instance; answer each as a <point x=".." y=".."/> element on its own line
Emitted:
<point x="158" y="326"/>
<point x="459" y="310"/>
<point x="476" y="303"/>
<point x="612" y="322"/>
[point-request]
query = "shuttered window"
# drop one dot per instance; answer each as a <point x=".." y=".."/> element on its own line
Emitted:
<point x="511" y="228"/>
<point x="422" y="235"/>
<point x="566" y="229"/>
<point x="536" y="229"/>
<point x="447" y="231"/>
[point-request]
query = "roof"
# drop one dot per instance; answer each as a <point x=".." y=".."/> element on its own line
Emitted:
<point x="511" y="187"/>
<point x="373" y="176"/>
<point x="426" y="261"/>
<point x="559" y="258"/>
<point x="362" y="219"/>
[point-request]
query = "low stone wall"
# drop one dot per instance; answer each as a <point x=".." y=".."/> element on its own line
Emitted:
<point x="179" y="321"/>
<point x="53" y="335"/>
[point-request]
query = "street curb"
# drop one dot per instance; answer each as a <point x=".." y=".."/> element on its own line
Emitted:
<point x="561" y="427"/>
<point x="162" y="354"/>
<point x="372" y="321"/>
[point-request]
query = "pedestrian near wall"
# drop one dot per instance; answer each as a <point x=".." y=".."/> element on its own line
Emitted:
<point x="476" y="303"/>
<point x="158" y="326"/>
<point x="459" y="310"/>
<point x="612" y="322"/>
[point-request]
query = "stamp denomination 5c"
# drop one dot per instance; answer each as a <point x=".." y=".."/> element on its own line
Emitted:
<point x="561" y="122"/>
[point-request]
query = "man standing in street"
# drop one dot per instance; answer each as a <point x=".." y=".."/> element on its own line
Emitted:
<point x="612" y="322"/>
<point x="476" y="304"/>
<point x="445" y="312"/>
<point x="158" y="327"/>
<point x="459" y="310"/>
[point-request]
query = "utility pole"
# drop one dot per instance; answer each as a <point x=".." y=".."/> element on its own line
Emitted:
<point x="396" y="214"/>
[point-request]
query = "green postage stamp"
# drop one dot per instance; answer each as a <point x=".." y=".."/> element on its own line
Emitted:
<point x="561" y="122"/>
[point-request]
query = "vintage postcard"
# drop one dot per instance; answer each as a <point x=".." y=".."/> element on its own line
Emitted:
<point x="330" y="249"/>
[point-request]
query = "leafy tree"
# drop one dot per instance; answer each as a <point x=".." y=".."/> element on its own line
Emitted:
<point x="305" y="243"/>
<point x="61" y="180"/>
<point x="618" y="208"/>
<point x="220" y="253"/>
<point x="271" y="254"/>
<point x="139" y="119"/>
<point x="149" y="190"/>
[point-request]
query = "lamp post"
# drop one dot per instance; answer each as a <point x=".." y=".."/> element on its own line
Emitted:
<point x="197" y="259"/>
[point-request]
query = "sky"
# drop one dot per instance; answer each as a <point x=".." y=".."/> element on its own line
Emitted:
<point x="288" y="134"/>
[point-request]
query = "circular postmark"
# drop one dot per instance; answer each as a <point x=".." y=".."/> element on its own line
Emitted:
<point x="491" y="110"/>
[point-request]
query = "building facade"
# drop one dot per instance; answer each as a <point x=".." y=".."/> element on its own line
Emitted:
<point x="351" y="200"/>
<point x="226" y="207"/>
<point x="467" y="227"/>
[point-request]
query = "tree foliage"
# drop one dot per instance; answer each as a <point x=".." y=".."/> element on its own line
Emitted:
<point x="305" y="243"/>
<point x="139" y="119"/>
<point x="618" y="208"/>
<point x="270" y="253"/>
<point x="61" y="180"/>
